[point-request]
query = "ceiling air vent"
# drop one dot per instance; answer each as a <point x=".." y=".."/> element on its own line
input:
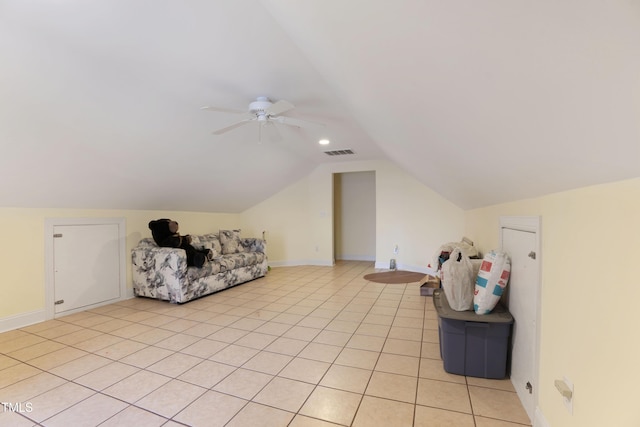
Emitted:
<point x="339" y="152"/>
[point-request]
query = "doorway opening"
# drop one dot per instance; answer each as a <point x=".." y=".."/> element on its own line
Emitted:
<point x="354" y="216"/>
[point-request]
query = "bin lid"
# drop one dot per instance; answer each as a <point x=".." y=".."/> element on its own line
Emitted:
<point x="499" y="314"/>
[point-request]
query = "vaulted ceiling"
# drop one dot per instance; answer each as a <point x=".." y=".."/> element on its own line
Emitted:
<point x="484" y="101"/>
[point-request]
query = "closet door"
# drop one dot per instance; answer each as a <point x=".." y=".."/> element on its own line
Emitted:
<point x="87" y="265"/>
<point x="520" y="240"/>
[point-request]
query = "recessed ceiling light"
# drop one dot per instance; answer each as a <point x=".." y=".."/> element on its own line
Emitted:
<point x="324" y="142"/>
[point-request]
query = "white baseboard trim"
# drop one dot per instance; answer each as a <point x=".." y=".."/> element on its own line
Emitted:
<point x="31" y="317"/>
<point x="299" y="262"/>
<point x="379" y="265"/>
<point x="356" y="258"/>
<point x="408" y="267"/>
<point x="92" y="306"/>
<point x="21" y="320"/>
<point x="539" y="420"/>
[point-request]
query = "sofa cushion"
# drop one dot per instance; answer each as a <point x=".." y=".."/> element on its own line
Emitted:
<point x="207" y="241"/>
<point x="208" y="269"/>
<point x="233" y="261"/>
<point x="231" y="242"/>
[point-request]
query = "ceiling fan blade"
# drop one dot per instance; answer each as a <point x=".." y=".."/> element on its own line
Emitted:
<point x="290" y="121"/>
<point x="232" y="126"/>
<point x="222" y="109"/>
<point x="271" y="131"/>
<point x="279" y="108"/>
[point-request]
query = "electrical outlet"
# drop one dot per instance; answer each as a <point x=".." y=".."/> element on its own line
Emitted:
<point x="396" y="250"/>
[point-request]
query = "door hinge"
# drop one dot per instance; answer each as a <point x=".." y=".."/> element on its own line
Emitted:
<point x="529" y="387"/>
<point x="57" y="235"/>
<point x="532" y="255"/>
<point x="60" y="301"/>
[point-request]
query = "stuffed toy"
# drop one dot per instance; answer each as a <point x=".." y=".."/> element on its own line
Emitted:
<point x="165" y="234"/>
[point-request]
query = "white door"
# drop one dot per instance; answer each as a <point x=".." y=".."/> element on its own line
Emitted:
<point x="86" y="265"/>
<point x="522" y="300"/>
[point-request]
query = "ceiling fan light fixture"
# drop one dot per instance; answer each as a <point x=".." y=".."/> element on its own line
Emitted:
<point x="263" y="112"/>
<point x="324" y="141"/>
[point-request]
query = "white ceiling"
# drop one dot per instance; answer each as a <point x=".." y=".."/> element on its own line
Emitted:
<point x="484" y="101"/>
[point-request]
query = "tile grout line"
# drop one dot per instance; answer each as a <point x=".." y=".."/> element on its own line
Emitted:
<point x="317" y="296"/>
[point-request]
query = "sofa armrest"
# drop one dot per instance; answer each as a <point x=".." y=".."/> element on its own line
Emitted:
<point x="158" y="272"/>
<point x="253" y="244"/>
<point x="150" y="258"/>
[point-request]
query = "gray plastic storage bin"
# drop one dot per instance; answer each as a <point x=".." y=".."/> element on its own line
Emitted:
<point x="472" y="344"/>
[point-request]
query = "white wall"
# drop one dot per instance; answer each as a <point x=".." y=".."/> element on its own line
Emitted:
<point x="355" y="216"/>
<point x="590" y="294"/>
<point x="299" y="222"/>
<point x="285" y="217"/>
<point x="22" y="257"/>
<point x="412" y="216"/>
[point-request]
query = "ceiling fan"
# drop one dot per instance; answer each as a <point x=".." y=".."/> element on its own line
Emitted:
<point x="265" y="114"/>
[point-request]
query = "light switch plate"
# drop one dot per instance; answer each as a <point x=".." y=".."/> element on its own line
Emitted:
<point x="568" y="403"/>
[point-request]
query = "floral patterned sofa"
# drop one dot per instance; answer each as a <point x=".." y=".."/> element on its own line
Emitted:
<point x="162" y="273"/>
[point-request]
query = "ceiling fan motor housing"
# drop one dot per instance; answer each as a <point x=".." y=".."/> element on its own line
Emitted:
<point x="263" y="111"/>
<point x="260" y="106"/>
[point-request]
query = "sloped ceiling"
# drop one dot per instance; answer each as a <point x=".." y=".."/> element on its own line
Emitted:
<point x="483" y="101"/>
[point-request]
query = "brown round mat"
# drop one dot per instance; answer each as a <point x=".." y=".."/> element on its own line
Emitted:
<point x="395" y="277"/>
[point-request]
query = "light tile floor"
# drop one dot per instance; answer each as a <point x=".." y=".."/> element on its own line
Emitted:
<point x="303" y="346"/>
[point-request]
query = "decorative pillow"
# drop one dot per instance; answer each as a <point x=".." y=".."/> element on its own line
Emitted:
<point x="213" y="242"/>
<point x="216" y="242"/>
<point x="491" y="281"/>
<point x="207" y="241"/>
<point x="231" y="243"/>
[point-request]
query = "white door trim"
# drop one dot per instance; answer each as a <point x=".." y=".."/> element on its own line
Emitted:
<point x="49" y="224"/>
<point x="531" y="224"/>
